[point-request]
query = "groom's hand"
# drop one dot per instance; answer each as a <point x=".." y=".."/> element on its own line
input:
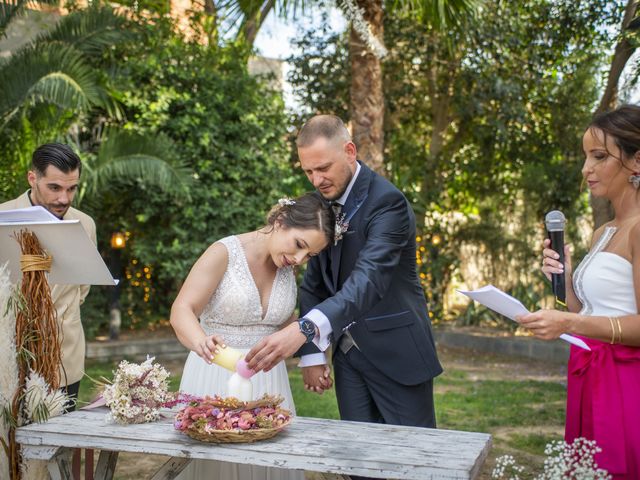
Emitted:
<point x="271" y="350"/>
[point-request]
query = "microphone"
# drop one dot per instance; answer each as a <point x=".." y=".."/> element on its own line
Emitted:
<point x="554" y="221"/>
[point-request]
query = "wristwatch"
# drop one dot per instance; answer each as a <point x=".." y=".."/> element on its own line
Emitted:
<point x="308" y="329"/>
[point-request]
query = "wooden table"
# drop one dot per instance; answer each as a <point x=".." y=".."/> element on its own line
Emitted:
<point x="319" y="445"/>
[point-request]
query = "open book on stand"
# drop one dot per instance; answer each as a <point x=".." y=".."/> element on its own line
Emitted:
<point x="76" y="260"/>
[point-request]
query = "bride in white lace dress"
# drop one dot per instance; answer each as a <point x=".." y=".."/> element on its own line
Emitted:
<point x="240" y="290"/>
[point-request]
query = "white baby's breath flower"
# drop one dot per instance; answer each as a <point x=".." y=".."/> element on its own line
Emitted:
<point x="574" y="461"/>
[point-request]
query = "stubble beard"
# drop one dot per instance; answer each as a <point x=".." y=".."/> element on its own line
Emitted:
<point x="36" y="198"/>
<point x="342" y="189"/>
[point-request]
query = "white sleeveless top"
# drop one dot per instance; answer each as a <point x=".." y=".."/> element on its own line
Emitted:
<point x="235" y="310"/>
<point x="603" y="282"/>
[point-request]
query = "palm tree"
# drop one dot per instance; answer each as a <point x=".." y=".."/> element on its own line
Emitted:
<point x="126" y="156"/>
<point x="54" y="69"/>
<point x="366" y="93"/>
<point x="249" y="15"/>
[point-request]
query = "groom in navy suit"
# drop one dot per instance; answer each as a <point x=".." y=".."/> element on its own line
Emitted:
<point x="361" y="295"/>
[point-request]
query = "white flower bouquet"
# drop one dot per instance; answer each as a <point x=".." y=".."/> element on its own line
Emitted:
<point x="138" y="392"/>
<point x="565" y="461"/>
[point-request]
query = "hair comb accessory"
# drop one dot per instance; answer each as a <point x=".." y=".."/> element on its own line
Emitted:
<point x="286" y="201"/>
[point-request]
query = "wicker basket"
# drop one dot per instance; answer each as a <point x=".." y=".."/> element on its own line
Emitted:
<point x="238" y="435"/>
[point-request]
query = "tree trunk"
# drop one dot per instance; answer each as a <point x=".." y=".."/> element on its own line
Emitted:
<point x="210" y="8"/>
<point x="251" y="25"/>
<point x="212" y="31"/>
<point x="367" y="98"/>
<point x="601" y="207"/>
<point x="440" y="91"/>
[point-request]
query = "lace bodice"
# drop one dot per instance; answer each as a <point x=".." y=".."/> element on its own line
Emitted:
<point x="235" y="311"/>
<point x="603" y="282"/>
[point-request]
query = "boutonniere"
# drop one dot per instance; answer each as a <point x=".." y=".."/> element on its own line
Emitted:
<point x="341" y="228"/>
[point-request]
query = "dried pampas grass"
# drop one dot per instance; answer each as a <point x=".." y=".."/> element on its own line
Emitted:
<point x="9" y="370"/>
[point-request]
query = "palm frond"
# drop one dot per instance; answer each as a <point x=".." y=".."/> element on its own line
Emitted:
<point x="91" y="30"/>
<point x="51" y="73"/>
<point x="440" y="14"/>
<point x="10" y="9"/>
<point x="238" y="12"/>
<point x="150" y="160"/>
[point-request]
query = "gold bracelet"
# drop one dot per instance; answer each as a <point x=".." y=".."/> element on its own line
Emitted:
<point x="617" y="319"/>
<point x="613" y="331"/>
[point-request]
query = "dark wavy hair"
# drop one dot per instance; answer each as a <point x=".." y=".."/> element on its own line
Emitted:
<point x="307" y="212"/>
<point x="57" y="155"/>
<point x="623" y="125"/>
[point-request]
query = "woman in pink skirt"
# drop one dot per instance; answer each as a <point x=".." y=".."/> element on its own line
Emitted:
<point x="603" y="294"/>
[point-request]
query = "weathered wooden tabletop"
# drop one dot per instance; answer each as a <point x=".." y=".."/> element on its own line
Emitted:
<point x="313" y="444"/>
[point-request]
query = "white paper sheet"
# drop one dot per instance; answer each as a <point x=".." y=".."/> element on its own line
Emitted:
<point x="29" y="214"/>
<point x="504" y="304"/>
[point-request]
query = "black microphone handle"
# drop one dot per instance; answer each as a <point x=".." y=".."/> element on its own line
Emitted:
<point x="558" y="279"/>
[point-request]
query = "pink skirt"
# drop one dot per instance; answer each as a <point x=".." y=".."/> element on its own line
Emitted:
<point x="603" y="404"/>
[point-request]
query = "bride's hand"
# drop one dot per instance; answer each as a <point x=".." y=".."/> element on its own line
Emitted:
<point x="550" y="263"/>
<point x="317" y="378"/>
<point x="208" y="347"/>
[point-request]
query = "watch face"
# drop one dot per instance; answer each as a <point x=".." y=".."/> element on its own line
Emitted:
<point x="308" y="328"/>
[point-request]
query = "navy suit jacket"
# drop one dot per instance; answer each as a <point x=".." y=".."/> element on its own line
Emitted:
<point x="369" y="284"/>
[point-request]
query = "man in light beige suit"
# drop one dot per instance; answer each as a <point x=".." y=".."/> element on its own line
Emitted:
<point x="53" y="177"/>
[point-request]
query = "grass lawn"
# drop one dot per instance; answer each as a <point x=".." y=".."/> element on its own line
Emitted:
<point x="474" y="394"/>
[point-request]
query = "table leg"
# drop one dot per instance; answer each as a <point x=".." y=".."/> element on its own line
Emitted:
<point x="75" y="463"/>
<point x="88" y="464"/>
<point x="106" y="465"/>
<point x="60" y="465"/>
<point x="171" y="469"/>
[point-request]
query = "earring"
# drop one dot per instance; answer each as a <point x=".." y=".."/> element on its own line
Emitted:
<point x="635" y="180"/>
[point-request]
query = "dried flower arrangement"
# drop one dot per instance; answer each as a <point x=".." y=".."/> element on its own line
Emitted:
<point x="228" y="420"/>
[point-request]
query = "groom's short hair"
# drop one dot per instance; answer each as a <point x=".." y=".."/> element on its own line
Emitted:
<point x="322" y="126"/>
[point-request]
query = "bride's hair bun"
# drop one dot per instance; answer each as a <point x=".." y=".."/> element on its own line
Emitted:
<point x="308" y="211"/>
